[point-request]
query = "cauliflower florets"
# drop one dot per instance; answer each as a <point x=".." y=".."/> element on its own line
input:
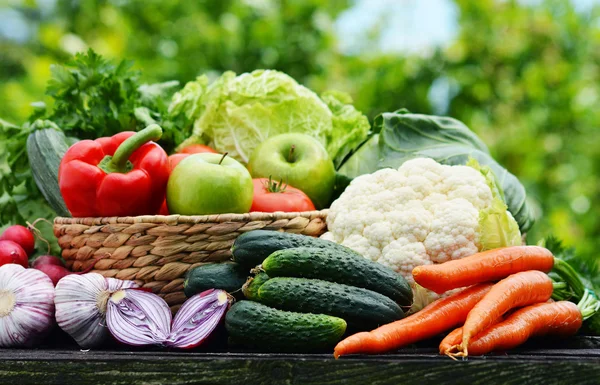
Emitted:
<point x="420" y="214"/>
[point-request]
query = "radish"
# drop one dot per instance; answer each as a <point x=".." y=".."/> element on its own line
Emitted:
<point x="55" y="268"/>
<point x="20" y="235"/>
<point x="47" y="260"/>
<point x="11" y="252"/>
<point x="55" y="272"/>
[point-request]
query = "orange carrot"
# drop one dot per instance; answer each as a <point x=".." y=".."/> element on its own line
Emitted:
<point x="562" y="318"/>
<point x="451" y="341"/>
<point x="520" y="289"/>
<point x="436" y="318"/>
<point x="491" y="265"/>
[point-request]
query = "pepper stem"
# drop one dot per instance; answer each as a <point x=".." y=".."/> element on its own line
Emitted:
<point x="119" y="162"/>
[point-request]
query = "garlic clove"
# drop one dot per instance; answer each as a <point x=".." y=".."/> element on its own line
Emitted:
<point x="197" y="318"/>
<point x="136" y="317"/>
<point x="26" y="305"/>
<point x="81" y="302"/>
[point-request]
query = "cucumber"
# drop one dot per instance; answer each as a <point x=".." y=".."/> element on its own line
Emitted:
<point x="250" y="288"/>
<point x="250" y="249"/>
<point x="254" y="325"/>
<point x="228" y="276"/>
<point x="347" y="268"/>
<point x="362" y="309"/>
<point x="45" y="149"/>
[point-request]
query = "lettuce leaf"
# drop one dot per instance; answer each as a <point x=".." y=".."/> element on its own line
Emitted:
<point x="235" y="113"/>
<point x="402" y="136"/>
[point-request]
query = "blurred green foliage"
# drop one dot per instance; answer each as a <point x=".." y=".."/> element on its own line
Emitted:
<point x="525" y="78"/>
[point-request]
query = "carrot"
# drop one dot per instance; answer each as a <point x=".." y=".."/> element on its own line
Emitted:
<point x="562" y="318"/>
<point x="436" y="318"/>
<point x="520" y="289"/>
<point x="491" y="265"/>
<point x="451" y="341"/>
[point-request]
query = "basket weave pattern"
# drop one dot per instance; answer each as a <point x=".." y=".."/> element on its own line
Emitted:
<point x="157" y="251"/>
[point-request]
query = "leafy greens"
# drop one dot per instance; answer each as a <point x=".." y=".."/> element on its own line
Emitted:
<point x="402" y="135"/>
<point x="235" y="113"/>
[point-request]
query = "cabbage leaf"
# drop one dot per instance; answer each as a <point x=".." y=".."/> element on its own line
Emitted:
<point x="235" y="113"/>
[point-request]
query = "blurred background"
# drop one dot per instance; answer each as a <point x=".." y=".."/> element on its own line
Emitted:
<point x="524" y="75"/>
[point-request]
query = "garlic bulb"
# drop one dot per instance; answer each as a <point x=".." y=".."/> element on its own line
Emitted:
<point x="81" y="306"/>
<point x="26" y="305"/>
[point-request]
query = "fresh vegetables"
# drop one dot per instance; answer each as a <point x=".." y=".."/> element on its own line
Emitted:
<point x="251" y="248"/>
<point x="252" y="324"/>
<point x="11" y="252"/>
<point x="437" y="317"/>
<point x="119" y="176"/>
<point x="45" y="149"/>
<point x="139" y="318"/>
<point x="561" y="318"/>
<point x="402" y="136"/>
<point x="360" y="308"/>
<point x="517" y="290"/>
<point x="486" y="266"/>
<point x="271" y="196"/>
<point x="299" y="160"/>
<point x="26" y="305"/>
<point x="20" y="235"/>
<point x="81" y="302"/>
<point x="204" y="184"/>
<point x="236" y="114"/>
<point x="420" y="214"/>
<point x="333" y="265"/>
<point x="228" y="276"/>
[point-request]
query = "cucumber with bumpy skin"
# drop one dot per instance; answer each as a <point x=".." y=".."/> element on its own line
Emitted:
<point x="254" y="325"/>
<point x="347" y="268"/>
<point x="250" y="288"/>
<point x="250" y="249"/>
<point x="362" y="309"/>
<point x="228" y="276"/>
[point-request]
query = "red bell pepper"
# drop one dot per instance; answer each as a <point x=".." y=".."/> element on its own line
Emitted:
<point x="123" y="175"/>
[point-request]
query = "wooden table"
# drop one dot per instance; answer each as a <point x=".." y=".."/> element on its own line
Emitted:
<point x="572" y="361"/>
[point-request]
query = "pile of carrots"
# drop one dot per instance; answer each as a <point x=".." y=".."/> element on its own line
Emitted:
<point x="508" y="298"/>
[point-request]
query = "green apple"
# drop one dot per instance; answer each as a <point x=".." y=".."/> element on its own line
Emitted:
<point x="300" y="161"/>
<point x="209" y="184"/>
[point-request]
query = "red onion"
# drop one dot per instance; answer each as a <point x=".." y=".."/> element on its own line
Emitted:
<point x="197" y="318"/>
<point x="139" y="318"/>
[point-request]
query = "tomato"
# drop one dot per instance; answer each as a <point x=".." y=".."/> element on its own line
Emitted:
<point x="270" y="196"/>
<point x="175" y="159"/>
<point x="195" y="149"/>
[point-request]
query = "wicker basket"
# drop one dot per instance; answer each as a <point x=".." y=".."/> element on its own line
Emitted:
<point x="157" y="251"/>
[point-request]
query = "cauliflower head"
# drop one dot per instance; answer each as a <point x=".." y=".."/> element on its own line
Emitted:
<point x="423" y="213"/>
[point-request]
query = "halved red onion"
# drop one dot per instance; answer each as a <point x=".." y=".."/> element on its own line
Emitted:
<point x="197" y="318"/>
<point x="136" y="317"/>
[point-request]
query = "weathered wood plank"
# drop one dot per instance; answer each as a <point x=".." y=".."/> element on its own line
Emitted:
<point x="420" y="366"/>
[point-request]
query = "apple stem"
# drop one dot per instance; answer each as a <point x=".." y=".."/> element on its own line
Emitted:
<point x="291" y="158"/>
<point x="222" y="158"/>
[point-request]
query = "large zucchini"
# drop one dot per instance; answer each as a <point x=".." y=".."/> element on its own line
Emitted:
<point x="254" y="325"/>
<point x="332" y="265"/>
<point x="251" y="248"/>
<point x="362" y="309"/>
<point x="45" y="149"/>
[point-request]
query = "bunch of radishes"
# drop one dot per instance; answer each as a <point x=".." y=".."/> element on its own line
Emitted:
<point x="17" y="244"/>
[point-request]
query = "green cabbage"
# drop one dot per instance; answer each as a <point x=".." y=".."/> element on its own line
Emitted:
<point x="235" y="113"/>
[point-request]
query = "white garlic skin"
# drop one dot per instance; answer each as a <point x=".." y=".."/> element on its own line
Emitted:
<point x="81" y="306"/>
<point x="26" y="305"/>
